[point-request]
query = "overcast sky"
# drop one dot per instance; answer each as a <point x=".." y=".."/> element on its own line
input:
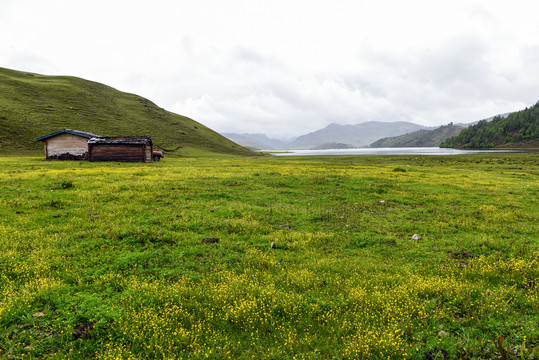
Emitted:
<point x="286" y="68"/>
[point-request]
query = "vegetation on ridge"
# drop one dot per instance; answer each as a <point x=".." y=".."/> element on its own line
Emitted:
<point x="518" y="130"/>
<point x="32" y="105"/>
<point x="421" y="138"/>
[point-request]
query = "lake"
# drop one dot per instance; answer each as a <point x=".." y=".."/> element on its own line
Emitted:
<point x="384" y="151"/>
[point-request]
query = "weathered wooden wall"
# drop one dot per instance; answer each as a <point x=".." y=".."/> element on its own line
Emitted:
<point x="119" y="152"/>
<point x="66" y="144"/>
<point x="148" y="153"/>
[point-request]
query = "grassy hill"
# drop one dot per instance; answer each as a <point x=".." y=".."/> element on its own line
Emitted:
<point x="32" y="105"/>
<point x="421" y="138"/>
<point x="517" y="130"/>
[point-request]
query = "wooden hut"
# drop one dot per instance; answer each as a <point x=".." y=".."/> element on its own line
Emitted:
<point x="120" y="149"/>
<point x="66" y="144"/>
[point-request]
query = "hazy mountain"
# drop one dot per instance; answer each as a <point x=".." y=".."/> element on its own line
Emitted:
<point x="421" y="138"/>
<point x="256" y="141"/>
<point x="358" y="135"/>
<point x="504" y="115"/>
<point x="334" y="145"/>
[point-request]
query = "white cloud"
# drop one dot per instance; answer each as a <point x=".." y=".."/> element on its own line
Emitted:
<point x="284" y="67"/>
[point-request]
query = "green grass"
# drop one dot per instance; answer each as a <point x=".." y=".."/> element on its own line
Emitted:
<point x="105" y="260"/>
<point x="33" y="105"/>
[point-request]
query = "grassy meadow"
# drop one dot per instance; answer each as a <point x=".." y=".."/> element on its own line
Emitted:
<point x="107" y="260"/>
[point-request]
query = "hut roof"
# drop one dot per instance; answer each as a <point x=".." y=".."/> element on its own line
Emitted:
<point x="68" y="131"/>
<point x="121" y="140"/>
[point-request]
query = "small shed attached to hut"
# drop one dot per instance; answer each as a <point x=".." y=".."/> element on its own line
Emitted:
<point x="66" y="144"/>
<point x="120" y="149"/>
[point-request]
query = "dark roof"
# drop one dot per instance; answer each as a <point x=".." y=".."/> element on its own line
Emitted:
<point x="121" y="140"/>
<point x="68" y="131"/>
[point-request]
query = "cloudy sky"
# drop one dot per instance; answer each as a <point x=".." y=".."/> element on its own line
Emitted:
<point x="287" y="67"/>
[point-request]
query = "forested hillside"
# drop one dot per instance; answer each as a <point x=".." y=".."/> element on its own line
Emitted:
<point x="421" y="138"/>
<point x="519" y="129"/>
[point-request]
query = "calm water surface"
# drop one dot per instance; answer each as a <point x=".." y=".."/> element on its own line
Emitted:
<point x="385" y="151"/>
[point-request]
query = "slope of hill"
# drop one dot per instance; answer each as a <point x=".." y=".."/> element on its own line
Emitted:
<point x="504" y="115"/>
<point x="519" y="130"/>
<point x="358" y="135"/>
<point x="421" y="138"/>
<point x="32" y="105"/>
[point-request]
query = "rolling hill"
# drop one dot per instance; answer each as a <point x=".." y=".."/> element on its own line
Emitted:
<point x="32" y="105"/>
<point x="421" y="138"/>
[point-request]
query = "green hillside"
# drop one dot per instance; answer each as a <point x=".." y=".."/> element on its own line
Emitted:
<point x="518" y="130"/>
<point x="421" y="138"/>
<point x="32" y="105"/>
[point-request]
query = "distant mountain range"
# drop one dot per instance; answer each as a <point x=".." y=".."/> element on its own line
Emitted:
<point x="358" y="135"/>
<point x="343" y="136"/>
<point x="256" y="141"/>
<point x="371" y="133"/>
